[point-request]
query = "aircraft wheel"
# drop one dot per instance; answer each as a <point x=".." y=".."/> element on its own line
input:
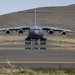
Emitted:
<point x="42" y="48"/>
<point x="27" y="48"/>
<point x="27" y="44"/>
<point x="43" y="44"/>
<point x="27" y="41"/>
<point x="36" y="45"/>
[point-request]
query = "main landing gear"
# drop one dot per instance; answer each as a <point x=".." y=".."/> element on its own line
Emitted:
<point x="35" y="44"/>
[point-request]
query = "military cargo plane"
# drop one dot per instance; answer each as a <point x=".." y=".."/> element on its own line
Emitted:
<point x="35" y="32"/>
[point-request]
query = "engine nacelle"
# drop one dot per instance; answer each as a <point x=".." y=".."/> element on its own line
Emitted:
<point x="63" y="33"/>
<point x="51" y="32"/>
<point x="21" y="31"/>
<point x="7" y="31"/>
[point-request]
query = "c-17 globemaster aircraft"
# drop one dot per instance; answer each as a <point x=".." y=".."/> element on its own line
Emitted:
<point x="35" y="32"/>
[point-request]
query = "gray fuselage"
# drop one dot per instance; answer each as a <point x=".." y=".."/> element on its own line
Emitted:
<point x="35" y="32"/>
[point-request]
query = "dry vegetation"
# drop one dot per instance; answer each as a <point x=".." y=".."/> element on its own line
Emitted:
<point x="21" y="71"/>
<point x="24" y="71"/>
<point x="65" y="42"/>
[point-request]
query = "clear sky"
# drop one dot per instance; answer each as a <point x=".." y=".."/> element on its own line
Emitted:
<point x="8" y="6"/>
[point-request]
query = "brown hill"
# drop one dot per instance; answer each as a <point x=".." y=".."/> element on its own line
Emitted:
<point x="56" y="16"/>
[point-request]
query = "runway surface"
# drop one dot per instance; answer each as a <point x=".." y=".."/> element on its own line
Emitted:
<point x="38" y="55"/>
<point x="57" y="54"/>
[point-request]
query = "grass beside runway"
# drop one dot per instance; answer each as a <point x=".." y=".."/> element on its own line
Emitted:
<point x="21" y="71"/>
<point x="53" y="42"/>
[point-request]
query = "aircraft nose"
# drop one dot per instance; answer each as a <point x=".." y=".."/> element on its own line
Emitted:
<point x="37" y="32"/>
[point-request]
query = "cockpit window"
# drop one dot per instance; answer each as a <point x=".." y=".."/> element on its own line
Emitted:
<point x="36" y="29"/>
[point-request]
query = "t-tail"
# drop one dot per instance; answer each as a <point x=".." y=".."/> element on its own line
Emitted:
<point x="35" y="18"/>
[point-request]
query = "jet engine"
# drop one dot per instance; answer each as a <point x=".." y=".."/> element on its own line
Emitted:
<point x="7" y="31"/>
<point x="51" y="32"/>
<point x="63" y="33"/>
<point x="20" y="31"/>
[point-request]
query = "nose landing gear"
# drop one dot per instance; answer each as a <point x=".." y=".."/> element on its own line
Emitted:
<point x="35" y="44"/>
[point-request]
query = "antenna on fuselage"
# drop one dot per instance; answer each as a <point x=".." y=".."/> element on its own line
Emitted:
<point x="35" y="17"/>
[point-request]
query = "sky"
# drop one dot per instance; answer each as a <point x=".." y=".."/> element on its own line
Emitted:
<point x="9" y="6"/>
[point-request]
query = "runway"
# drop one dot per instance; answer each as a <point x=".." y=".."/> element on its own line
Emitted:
<point x="54" y="56"/>
<point x="38" y="55"/>
<point x="38" y="58"/>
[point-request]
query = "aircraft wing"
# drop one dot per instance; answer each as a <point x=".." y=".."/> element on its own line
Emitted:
<point x="51" y="30"/>
<point x="15" y="28"/>
<point x="56" y="29"/>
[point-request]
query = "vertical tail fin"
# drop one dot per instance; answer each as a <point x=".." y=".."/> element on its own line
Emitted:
<point x="35" y="18"/>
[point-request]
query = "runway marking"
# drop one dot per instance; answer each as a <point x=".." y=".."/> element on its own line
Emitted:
<point x="62" y="44"/>
<point x="37" y="62"/>
<point x="10" y="48"/>
<point x="12" y="43"/>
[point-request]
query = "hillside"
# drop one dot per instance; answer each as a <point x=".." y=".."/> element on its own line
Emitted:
<point x="56" y="16"/>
